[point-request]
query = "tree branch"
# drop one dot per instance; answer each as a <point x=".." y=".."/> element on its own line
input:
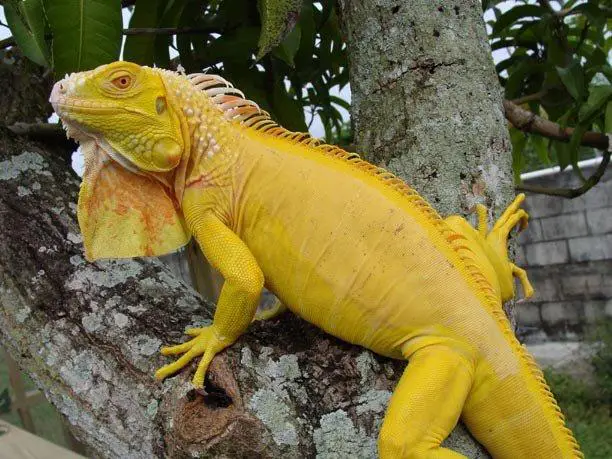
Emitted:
<point x="38" y="130"/>
<point x="10" y="41"/>
<point x="7" y="42"/>
<point x="45" y="132"/>
<point x="529" y="122"/>
<point x="571" y="193"/>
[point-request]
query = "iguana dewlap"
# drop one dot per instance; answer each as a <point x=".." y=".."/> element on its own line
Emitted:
<point x="344" y="244"/>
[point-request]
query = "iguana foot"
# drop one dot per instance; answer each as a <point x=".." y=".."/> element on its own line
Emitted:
<point x="498" y="236"/>
<point x="206" y="342"/>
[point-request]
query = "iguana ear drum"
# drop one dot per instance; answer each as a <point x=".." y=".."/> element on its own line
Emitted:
<point x="166" y="154"/>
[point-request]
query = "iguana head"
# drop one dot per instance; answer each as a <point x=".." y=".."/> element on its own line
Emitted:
<point x="136" y="145"/>
<point x="125" y="108"/>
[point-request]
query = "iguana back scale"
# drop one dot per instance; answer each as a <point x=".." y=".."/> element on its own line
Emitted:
<point x="344" y="244"/>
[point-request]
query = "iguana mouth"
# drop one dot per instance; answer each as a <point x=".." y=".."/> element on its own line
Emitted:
<point x="64" y="105"/>
<point x="81" y="106"/>
<point x="85" y="137"/>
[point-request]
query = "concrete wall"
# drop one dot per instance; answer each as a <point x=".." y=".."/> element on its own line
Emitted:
<point x="567" y="251"/>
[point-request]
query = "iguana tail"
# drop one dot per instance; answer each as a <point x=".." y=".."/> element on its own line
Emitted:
<point x="516" y="416"/>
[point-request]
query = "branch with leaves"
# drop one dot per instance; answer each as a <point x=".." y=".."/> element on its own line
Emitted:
<point x="529" y="122"/>
<point x="571" y="193"/>
<point x="556" y="74"/>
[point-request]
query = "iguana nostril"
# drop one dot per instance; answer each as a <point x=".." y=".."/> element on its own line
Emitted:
<point x="62" y="88"/>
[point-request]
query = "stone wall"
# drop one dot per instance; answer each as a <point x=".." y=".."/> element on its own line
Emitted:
<point x="567" y="251"/>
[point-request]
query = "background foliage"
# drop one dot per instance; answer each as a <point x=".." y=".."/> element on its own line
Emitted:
<point x="553" y="56"/>
<point x="558" y="66"/>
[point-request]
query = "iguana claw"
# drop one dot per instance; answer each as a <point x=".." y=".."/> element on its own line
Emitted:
<point x="206" y="342"/>
<point x="276" y="309"/>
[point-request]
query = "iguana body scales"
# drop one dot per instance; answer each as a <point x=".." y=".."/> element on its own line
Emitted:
<point x="344" y="244"/>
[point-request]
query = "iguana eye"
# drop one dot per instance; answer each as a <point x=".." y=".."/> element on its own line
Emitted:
<point x="122" y="82"/>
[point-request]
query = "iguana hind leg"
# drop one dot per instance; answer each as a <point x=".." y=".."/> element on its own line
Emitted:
<point x="426" y="405"/>
<point x="497" y="239"/>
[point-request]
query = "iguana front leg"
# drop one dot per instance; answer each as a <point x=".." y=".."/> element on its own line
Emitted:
<point x="237" y="303"/>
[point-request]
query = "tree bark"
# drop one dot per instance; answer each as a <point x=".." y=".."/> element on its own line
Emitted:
<point x="89" y="333"/>
<point x="427" y="105"/>
<point x="30" y="85"/>
<point x="426" y="102"/>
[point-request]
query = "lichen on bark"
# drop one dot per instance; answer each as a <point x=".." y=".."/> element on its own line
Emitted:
<point x="426" y="102"/>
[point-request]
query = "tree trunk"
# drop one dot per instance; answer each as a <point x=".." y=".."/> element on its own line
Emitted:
<point x="427" y="105"/>
<point x="426" y="102"/>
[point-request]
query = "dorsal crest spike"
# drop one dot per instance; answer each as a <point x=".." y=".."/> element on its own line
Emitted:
<point x="236" y="107"/>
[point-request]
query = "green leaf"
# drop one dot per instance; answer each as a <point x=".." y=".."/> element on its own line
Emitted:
<point x="86" y="33"/>
<point x="27" y="22"/>
<point x="514" y="14"/>
<point x="235" y="46"/>
<point x="595" y="15"/>
<point x="303" y="57"/>
<point x="608" y="122"/>
<point x="141" y="48"/>
<point x="598" y="97"/>
<point x="323" y="16"/>
<point x="563" y="154"/>
<point x="343" y="103"/>
<point x="278" y="17"/>
<point x="190" y="18"/>
<point x="169" y="18"/>
<point x="516" y="80"/>
<point x="573" y="79"/>
<point x="289" y="47"/>
<point x="289" y="111"/>
<point x="519" y="140"/>
<point x="574" y="148"/>
<point x="540" y="147"/>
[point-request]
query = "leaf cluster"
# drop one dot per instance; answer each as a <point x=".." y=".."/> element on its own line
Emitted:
<point x="557" y="65"/>
<point x="284" y="54"/>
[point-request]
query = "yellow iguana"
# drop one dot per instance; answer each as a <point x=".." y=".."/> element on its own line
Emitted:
<point x="344" y="244"/>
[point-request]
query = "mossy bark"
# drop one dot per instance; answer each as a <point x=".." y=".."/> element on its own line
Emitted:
<point x="426" y="102"/>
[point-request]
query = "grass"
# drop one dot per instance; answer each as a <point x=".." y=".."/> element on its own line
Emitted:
<point x="47" y="421"/>
<point x="588" y="413"/>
